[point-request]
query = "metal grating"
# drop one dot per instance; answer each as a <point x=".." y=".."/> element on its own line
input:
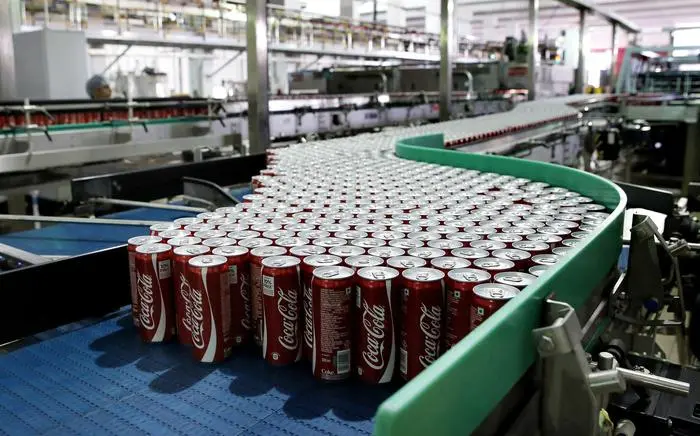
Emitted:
<point x="102" y="379"/>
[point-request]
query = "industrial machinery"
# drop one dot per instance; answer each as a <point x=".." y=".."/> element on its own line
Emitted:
<point x="561" y="364"/>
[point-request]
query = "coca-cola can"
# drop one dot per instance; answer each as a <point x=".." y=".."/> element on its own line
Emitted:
<point x="240" y="235"/>
<point x="157" y="229"/>
<point x="447" y="263"/>
<point x="459" y="285"/>
<point x="182" y="288"/>
<point x="486" y="299"/>
<point x="549" y="239"/>
<point x="506" y="238"/>
<point x="154" y="288"/>
<point x="308" y="265"/>
<point x="331" y="305"/>
<point x="494" y="264"/>
<point x="211" y="310"/>
<point x="256" y="257"/>
<point x="363" y="261"/>
<point x="532" y="247"/>
<point x="376" y="317"/>
<point x="132" y="243"/>
<point x="237" y="262"/>
<point x="291" y="242"/>
<point x="422" y="305"/>
<point x="282" y="310"/>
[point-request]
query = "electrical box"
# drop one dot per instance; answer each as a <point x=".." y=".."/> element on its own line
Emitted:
<point x="50" y="64"/>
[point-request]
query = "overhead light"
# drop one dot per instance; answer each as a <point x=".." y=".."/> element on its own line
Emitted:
<point x="650" y="54"/>
<point x="383" y="98"/>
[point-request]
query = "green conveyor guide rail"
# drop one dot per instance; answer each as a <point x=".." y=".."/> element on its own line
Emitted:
<point x="457" y="392"/>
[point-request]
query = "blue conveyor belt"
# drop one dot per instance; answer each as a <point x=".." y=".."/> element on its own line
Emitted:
<point x="74" y="239"/>
<point x="102" y="379"/>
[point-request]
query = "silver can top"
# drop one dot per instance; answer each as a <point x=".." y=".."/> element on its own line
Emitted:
<point x="153" y="248"/>
<point x="346" y="251"/>
<point x="322" y="260"/>
<point x="422" y="274"/>
<point x="495" y="291"/>
<point x="266" y="251"/>
<point x="206" y="261"/>
<point x="449" y="262"/>
<point x="470" y="253"/>
<point x="230" y="251"/>
<point x="469" y="275"/>
<point x="494" y="264"/>
<point x="191" y="250"/>
<point x="404" y="262"/>
<point x="142" y="240"/>
<point x="377" y="273"/>
<point x="363" y="260"/>
<point x="280" y="261"/>
<point x="515" y="279"/>
<point x="334" y="272"/>
<point x="255" y="243"/>
<point x="218" y="242"/>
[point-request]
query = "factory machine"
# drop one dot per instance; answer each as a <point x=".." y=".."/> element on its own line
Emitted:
<point x="575" y="353"/>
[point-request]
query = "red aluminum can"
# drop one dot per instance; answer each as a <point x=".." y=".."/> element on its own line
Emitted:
<point x="157" y="229"/>
<point x="308" y="265"/>
<point x="376" y="317"/>
<point x="486" y="299"/>
<point x="331" y="305"/>
<point x="506" y="238"/>
<point x="459" y="285"/>
<point x="218" y="242"/>
<point x="549" y="239"/>
<point x="132" y="243"/>
<point x="211" y="310"/>
<point x="243" y="235"/>
<point x="182" y="289"/>
<point x="292" y="241"/>
<point x="154" y="287"/>
<point x="448" y="263"/>
<point x="532" y="247"/>
<point x="520" y="258"/>
<point x="422" y="305"/>
<point x="239" y="283"/>
<point x="256" y="298"/>
<point x="282" y="310"/>
<point x="253" y="243"/>
<point x="545" y="259"/>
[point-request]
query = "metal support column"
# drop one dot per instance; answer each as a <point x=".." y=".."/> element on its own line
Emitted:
<point x="258" y="78"/>
<point x="613" y="55"/>
<point x="533" y="24"/>
<point x="446" y="53"/>
<point x="691" y="169"/>
<point x="581" y="71"/>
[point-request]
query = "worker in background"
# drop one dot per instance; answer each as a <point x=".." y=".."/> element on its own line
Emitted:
<point x="98" y="88"/>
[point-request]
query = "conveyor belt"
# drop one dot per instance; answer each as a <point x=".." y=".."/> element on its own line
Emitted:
<point x="103" y="380"/>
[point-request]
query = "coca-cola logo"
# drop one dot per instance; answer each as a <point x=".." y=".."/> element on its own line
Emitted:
<point x="245" y="295"/>
<point x="185" y="290"/>
<point x="430" y="322"/>
<point x="197" y="321"/>
<point x="373" y="322"/>
<point x="287" y="307"/>
<point x="144" y="284"/>
<point x="308" y="320"/>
